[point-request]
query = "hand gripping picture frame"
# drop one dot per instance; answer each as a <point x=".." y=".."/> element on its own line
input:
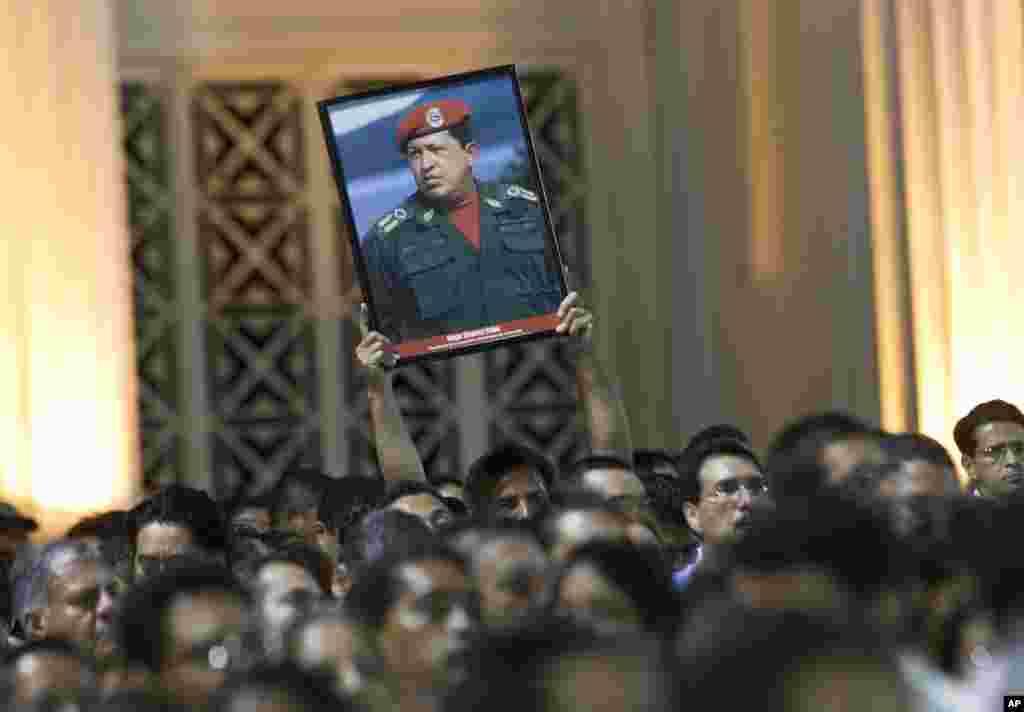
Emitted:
<point x="450" y="227"/>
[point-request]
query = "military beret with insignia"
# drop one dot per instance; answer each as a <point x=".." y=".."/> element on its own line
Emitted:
<point x="431" y="117"/>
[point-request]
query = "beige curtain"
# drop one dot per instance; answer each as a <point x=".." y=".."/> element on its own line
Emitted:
<point x="68" y="431"/>
<point x="944" y="107"/>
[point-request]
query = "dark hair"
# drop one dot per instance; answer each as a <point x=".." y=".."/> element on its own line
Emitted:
<point x="993" y="411"/>
<point x="485" y="473"/>
<point x="666" y="496"/>
<point x="717" y="432"/>
<point x="349" y="499"/>
<point x="850" y="538"/>
<point x="187" y="507"/>
<point x="596" y="461"/>
<point x="377" y="588"/>
<point x="114" y="530"/>
<point x="388" y="532"/>
<point x="640" y="572"/>
<point x="301" y="489"/>
<point x="912" y="447"/>
<point x="142" y="623"/>
<point x="302" y="690"/>
<point x="310" y="559"/>
<point x="773" y="649"/>
<point x="648" y="462"/>
<point x="794" y="461"/>
<point x="694" y="458"/>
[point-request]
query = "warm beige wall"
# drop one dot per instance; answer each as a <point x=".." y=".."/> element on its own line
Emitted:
<point x="724" y="144"/>
<point x="775" y="116"/>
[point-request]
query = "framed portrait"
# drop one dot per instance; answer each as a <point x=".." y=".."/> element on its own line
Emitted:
<point x="450" y="227"/>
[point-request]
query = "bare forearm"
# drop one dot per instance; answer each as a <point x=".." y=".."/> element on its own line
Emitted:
<point x="396" y="452"/>
<point x="603" y="407"/>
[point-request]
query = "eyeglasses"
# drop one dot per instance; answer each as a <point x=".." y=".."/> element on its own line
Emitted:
<point x="997" y="453"/>
<point x="731" y="486"/>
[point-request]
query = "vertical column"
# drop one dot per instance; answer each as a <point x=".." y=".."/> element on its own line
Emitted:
<point x="69" y="426"/>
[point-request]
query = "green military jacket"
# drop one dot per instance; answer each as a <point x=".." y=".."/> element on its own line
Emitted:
<point x="427" y="279"/>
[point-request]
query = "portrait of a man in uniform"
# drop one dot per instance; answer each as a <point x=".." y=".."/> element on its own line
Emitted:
<point x="459" y="253"/>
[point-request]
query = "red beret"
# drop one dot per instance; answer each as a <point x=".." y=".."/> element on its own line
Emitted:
<point x="430" y="118"/>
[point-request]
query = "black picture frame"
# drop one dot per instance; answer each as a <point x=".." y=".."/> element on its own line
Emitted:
<point x="514" y="279"/>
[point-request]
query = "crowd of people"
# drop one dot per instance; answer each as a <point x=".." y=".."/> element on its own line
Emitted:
<point x="842" y="568"/>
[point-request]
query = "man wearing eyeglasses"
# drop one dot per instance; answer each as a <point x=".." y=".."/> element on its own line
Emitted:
<point x="991" y="442"/>
<point x="722" y="481"/>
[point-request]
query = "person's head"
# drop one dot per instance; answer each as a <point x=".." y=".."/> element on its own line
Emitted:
<point x="616" y="588"/>
<point x="50" y="672"/>
<point x="792" y="661"/>
<point x="925" y="469"/>
<point x="722" y="480"/>
<point x="295" y="506"/>
<point x="650" y="461"/>
<point x="609" y="476"/>
<point x="419" y="611"/>
<point x="832" y="552"/>
<point x="991" y="443"/>
<point x="71" y="595"/>
<point x="582" y="518"/>
<point x="186" y="627"/>
<point x="510" y="482"/>
<point x="820" y="450"/>
<point x="286" y="585"/>
<point x="382" y="534"/>
<point x="279" y="688"/>
<point x="719" y="431"/>
<point x="253" y="513"/>
<point x="436" y="140"/>
<point x="327" y="642"/>
<point x="510" y="566"/>
<point x="345" y="503"/>
<point x="420" y="500"/>
<point x="179" y="526"/>
<point x="114" y="533"/>
<point x="667" y="501"/>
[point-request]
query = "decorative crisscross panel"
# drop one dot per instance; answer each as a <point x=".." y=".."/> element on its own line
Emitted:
<point x="254" y="237"/>
<point x="426" y="392"/>
<point x="532" y="388"/>
<point x="147" y="173"/>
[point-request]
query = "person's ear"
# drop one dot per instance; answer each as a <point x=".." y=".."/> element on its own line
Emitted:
<point x="692" y="514"/>
<point x="474" y="151"/>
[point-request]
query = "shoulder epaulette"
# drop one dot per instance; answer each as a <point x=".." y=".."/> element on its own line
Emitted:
<point x="516" y="191"/>
<point x="392" y="220"/>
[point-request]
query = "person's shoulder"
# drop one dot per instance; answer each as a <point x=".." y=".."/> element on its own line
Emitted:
<point x="387" y="224"/>
<point x="497" y="192"/>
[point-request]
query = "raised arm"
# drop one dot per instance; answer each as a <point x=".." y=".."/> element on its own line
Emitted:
<point x="396" y="452"/>
<point x="599" y="392"/>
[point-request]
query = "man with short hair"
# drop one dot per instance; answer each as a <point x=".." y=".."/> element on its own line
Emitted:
<point x="178" y="526"/>
<point x="991" y="443"/>
<point x="723" y="479"/>
<point x="286" y="585"/>
<point x="70" y="595"/>
<point x="923" y="468"/>
<point x="418" y="611"/>
<point x="186" y="628"/>
<point x="510" y="482"/>
<point x="459" y="253"/>
<point x="608" y="476"/>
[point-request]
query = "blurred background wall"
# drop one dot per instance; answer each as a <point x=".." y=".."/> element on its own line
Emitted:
<point x="774" y="208"/>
